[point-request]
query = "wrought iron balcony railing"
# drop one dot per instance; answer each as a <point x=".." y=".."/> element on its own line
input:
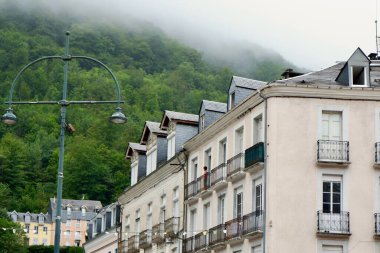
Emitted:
<point x="217" y="234"/>
<point x="253" y="222"/>
<point x="158" y="233"/>
<point x="377" y="224"/>
<point x="124" y="246"/>
<point x="188" y="245"/>
<point x="218" y="174"/>
<point x="254" y="154"/>
<point x="133" y="244"/>
<point x="235" y="164"/>
<point x="203" y="183"/>
<point x="234" y="228"/>
<point x="172" y="227"/>
<point x="190" y="189"/>
<point x="201" y="240"/>
<point x="333" y="151"/>
<point x="338" y="223"/>
<point x="145" y="239"/>
<point x="377" y="152"/>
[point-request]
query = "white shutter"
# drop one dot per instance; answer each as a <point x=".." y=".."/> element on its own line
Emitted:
<point x="332" y="126"/>
<point x="154" y="160"/>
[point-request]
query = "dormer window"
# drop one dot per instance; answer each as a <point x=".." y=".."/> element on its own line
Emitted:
<point x="151" y="160"/>
<point x="83" y="211"/>
<point x="359" y="75"/>
<point x="27" y="218"/>
<point x="202" y="121"/>
<point x="134" y="172"/>
<point x="40" y="219"/>
<point x="68" y="210"/>
<point x="171" y="145"/>
<point x="232" y="100"/>
<point x="14" y="217"/>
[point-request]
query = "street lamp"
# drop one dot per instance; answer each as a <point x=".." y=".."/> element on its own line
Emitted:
<point x="10" y="118"/>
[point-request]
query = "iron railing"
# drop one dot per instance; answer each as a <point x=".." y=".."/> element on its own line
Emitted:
<point x="201" y="240"/>
<point x="377" y="224"/>
<point x="333" y="151"/>
<point x="145" y="239"/>
<point x="254" y="154"/>
<point x="234" y="228"/>
<point x="203" y="183"/>
<point x="333" y="222"/>
<point x="217" y="234"/>
<point x="133" y="244"/>
<point x="377" y="152"/>
<point x="235" y="164"/>
<point x="172" y="226"/>
<point x="218" y="174"/>
<point x="253" y="222"/>
<point x="124" y="246"/>
<point x="190" y="189"/>
<point x="188" y="245"/>
<point x="158" y="233"/>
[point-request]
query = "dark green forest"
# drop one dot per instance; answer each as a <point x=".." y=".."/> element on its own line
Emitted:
<point x="155" y="73"/>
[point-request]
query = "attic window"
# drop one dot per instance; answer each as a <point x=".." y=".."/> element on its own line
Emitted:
<point x="232" y="100"/>
<point x="359" y="75"/>
<point x="202" y="121"/>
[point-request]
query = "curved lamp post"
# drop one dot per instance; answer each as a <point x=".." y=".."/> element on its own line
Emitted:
<point x="10" y="118"/>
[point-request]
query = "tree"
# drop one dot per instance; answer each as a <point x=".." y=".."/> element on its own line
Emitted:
<point x="12" y="236"/>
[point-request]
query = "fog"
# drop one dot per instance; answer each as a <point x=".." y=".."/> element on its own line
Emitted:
<point x="310" y="34"/>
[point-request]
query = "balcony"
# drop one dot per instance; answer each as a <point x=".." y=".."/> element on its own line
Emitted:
<point x="235" y="167"/>
<point x="188" y="245"/>
<point x="234" y="228"/>
<point x="190" y="190"/>
<point x="336" y="152"/>
<point x="158" y="233"/>
<point x="201" y="241"/>
<point x="377" y="225"/>
<point x="172" y="227"/>
<point x="124" y="246"/>
<point x="253" y="223"/>
<point x="145" y="239"/>
<point x="203" y="184"/>
<point x="377" y="154"/>
<point x="335" y="224"/>
<point x="133" y="244"/>
<point x="254" y="157"/>
<point x="217" y="236"/>
<point x="218" y="176"/>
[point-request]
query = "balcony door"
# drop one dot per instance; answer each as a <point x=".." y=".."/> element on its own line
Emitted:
<point x="332" y="126"/>
<point x="332" y="219"/>
<point x="258" y="202"/>
<point x="332" y="249"/>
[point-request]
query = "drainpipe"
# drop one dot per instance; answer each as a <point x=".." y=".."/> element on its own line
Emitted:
<point x="265" y="167"/>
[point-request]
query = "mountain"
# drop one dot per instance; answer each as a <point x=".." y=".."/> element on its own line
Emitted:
<point x="155" y="73"/>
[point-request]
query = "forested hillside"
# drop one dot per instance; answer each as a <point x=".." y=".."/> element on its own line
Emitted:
<point x="154" y="71"/>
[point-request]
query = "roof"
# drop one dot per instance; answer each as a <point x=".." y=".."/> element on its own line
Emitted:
<point x="33" y="216"/>
<point x="90" y="205"/>
<point x="247" y="83"/>
<point x="134" y="146"/>
<point x="179" y="117"/>
<point x="151" y="127"/>
<point x="214" y="106"/>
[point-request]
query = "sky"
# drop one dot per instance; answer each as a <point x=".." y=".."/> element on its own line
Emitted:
<point x="311" y="34"/>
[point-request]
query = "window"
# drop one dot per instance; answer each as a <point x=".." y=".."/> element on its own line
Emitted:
<point x="239" y="145"/>
<point x="67" y="233"/>
<point x="221" y="206"/>
<point x="149" y="217"/>
<point x="258" y="130"/>
<point x="332" y="194"/>
<point x="78" y="223"/>
<point x="232" y="100"/>
<point x="193" y="220"/>
<point x="202" y="121"/>
<point x="359" y="75"/>
<point x="14" y="217"/>
<point x="27" y="218"/>
<point x="35" y="241"/>
<point x="151" y="161"/>
<point x="68" y="223"/>
<point x="332" y="249"/>
<point x="332" y="125"/>
<point x="257" y="249"/>
<point x="163" y="209"/>
<point x="208" y="159"/>
<point x="223" y="151"/>
<point x="26" y="229"/>
<point x="83" y="211"/>
<point x="206" y="216"/>
<point x="176" y="202"/>
<point x="238" y="202"/>
<point x="134" y="174"/>
<point x="68" y="210"/>
<point x="137" y="222"/>
<point x="194" y="170"/>
<point x="258" y="195"/>
<point x="35" y="230"/>
<point x="40" y="219"/>
<point x="44" y="241"/>
<point x="77" y="235"/>
<point x="45" y="230"/>
<point x="171" y="145"/>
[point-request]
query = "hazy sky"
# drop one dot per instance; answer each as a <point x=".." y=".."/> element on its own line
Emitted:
<point x="310" y="34"/>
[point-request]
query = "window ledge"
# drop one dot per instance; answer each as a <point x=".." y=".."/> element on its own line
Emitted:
<point x="377" y="165"/>
<point x="333" y="234"/>
<point x="333" y="162"/>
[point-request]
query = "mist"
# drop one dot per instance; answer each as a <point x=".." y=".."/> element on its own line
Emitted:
<point x="309" y="34"/>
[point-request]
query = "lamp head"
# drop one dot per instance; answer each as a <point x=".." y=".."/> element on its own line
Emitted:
<point x="118" y="117"/>
<point x="9" y="118"/>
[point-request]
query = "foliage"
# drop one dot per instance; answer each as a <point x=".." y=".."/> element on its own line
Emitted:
<point x="12" y="238"/>
<point x="155" y="73"/>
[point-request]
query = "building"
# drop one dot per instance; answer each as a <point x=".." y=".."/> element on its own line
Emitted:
<point x="152" y="207"/>
<point x="104" y="230"/>
<point x="75" y="216"/>
<point x="292" y="166"/>
<point x="38" y="227"/>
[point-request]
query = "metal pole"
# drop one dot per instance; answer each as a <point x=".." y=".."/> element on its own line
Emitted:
<point x="61" y="149"/>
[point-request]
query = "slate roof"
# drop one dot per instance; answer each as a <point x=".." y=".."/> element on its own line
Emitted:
<point x="154" y="127"/>
<point x="247" y="83"/>
<point x="181" y="116"/>
<point x="33" y="216"/>
<point x="137" y="146"/>
<point x="91" y="205"/>
<point x="214" y="106"/>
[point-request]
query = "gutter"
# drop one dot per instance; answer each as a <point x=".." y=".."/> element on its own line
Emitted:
<point x="265" y="166"/>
